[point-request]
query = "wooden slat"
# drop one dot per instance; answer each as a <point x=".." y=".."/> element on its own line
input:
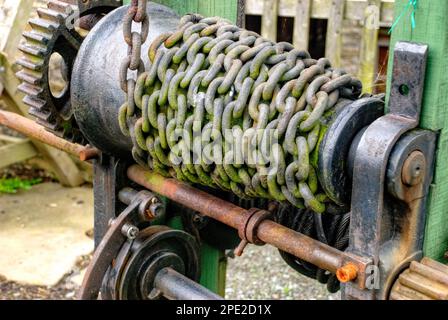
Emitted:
<point x="65" y="169"/>
<point x="16" y="152"/>
<point x="17" y="13"/>
<point x="6" y="138"/>
<point x="224" y="8"/>
<point x="302" y="24"/>
<point x="354" y="9"/>
<point x="333" y="44"/>
<point x="369" y="46"/>
<point x="269" y="19"/>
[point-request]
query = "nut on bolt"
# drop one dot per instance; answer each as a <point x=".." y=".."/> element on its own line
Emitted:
<point x="151" y="208"/>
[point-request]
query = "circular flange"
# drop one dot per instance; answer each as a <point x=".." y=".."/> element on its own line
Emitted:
<point x="335" y="146"/>
<point x="138" y="262"/>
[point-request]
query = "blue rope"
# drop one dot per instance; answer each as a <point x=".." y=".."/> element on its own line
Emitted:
<point x="414" y="5"/>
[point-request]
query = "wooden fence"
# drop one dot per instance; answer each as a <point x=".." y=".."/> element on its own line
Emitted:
<point x="14" y="16"/>
<point x="372" y="14"/>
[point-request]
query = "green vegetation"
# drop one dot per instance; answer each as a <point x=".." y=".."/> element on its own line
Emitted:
<point x="12" y="185"/>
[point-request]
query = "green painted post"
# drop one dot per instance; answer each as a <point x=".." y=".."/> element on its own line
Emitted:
<point x="213" y="263"/>
<point x="431" y="28"/>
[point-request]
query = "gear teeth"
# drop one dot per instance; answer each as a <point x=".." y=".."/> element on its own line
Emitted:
<point x="41" y="115"/>
<point x="58" y="5"/>
<point x="50" y="126"/>
<point x="39" y="43"/>
<point x="425" y="280"/>
<point x="43" y="25"/>
<point x="36" y="37"/>
<point x="29" y="78"/>
<point x="35" y="66"/>
<point x="35" y="103"/>
<point x="51" y="15"/>
<point x="34" y="50"/>
<point x="30" y="89"/>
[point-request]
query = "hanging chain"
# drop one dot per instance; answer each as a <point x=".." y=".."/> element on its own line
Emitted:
<point x="133" y="62"/>
<point x="210" y="79"/>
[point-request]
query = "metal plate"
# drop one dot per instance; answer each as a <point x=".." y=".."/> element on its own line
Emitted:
<point x="334" y="149"/>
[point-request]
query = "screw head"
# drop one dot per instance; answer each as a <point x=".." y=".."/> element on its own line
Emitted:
<point x="414" y="169"/>
<point x="130" y="231"/>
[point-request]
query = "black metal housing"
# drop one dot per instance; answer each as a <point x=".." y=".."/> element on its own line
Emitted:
<point x="96" y="94"/>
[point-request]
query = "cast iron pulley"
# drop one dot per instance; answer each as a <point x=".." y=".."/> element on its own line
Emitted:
<point x="156" y="248"/>
<point x="54" y="32"/>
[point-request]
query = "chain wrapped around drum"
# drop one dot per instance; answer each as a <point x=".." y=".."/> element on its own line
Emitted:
<point x="223" y="107"/>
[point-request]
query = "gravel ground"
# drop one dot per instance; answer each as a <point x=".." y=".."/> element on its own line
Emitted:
<point x="261" y="274"/>
<point x="65" y="290"/>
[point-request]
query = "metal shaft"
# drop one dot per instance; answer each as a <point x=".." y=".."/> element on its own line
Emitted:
<point x="35" y="131"/>
<point x="295" y="243"/>
<point x="175" y="286"/>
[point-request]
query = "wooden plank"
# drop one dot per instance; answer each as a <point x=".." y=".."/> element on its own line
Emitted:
<point x="224" y="8"/>
<point x="302" y="24"/>
<point x="320" y="9"/>
<point x="16" y="152"/>
<point x="65" y="169"/>
<point x="333" y="44"/>
<point x="18" y="12"/>
<point x="369" y="46"/>
<point x="432" y="29"/>
<point x="10" y="139"/>
<point x="269" y="19"/>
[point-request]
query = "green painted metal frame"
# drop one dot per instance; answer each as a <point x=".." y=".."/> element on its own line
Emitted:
<point x="432" y="29"/>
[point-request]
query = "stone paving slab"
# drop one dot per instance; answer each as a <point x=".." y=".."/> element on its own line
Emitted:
<point x="43" y="231"/>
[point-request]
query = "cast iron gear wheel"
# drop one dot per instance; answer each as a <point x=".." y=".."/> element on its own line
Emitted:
<point x="52" y="32"/>
<point x="424" y="280"/>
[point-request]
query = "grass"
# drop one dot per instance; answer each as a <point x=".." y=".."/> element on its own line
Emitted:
<point x="12" y="185"/>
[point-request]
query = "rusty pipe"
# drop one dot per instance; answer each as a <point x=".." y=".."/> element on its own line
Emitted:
<point x="35" y="131"/>
<point x="268" y="231"/>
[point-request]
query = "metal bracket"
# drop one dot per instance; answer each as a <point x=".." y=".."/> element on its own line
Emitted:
<point x="112" y="241"/>
<point x="380" y="222"/>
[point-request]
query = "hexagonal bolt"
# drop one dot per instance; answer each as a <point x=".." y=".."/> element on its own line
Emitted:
<point x="414" y="169"/>
<point x="130" y="231"/>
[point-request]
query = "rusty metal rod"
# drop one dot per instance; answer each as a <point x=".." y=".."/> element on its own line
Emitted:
<point x="270" y="232"/>
<point x="176" y="286"/>
<point x="37" y="132"/>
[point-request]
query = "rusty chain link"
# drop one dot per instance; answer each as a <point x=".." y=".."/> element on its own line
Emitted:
<point x="210" y="79"/>
<point x="133" y="62"/>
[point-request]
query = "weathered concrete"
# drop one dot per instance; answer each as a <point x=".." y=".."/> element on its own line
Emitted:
<point x="43" y="232"/>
